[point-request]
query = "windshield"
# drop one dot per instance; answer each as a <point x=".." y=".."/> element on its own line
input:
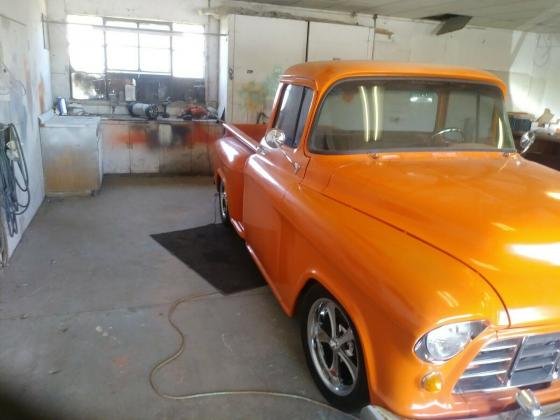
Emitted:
<point x="360" y="116"/>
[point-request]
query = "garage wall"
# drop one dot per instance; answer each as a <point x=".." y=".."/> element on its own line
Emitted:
<point x="522" y="60"/>
<point x="525" y="61"/>
<point x="328" y="41"/>
<point x="25" y="89"/>
<point x="259" y="49"/>
<point x="262" y="49"/>
<point x="548" y="62"/>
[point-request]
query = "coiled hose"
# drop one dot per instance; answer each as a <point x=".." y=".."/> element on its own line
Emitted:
<point x="14" y="177"/>
<point x="181" y="349"/>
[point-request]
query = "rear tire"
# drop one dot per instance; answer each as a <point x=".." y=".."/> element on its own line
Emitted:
<point x="223" y="204"/>
<point x="335" y="360"/>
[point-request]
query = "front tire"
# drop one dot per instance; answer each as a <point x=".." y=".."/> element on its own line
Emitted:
<point x="333" y="350"/>
<point x="223" y="204"/>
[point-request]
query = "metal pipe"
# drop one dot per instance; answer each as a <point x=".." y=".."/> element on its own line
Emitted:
<point x="374" y="33"/>
<point x="149" y="31"/>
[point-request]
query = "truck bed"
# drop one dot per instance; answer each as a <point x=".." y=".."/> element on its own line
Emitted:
<point x="229" y="156"/>
<point x="248" y="134"/>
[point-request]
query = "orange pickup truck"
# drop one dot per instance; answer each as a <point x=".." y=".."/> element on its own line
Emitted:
<point x="387" y="207"/>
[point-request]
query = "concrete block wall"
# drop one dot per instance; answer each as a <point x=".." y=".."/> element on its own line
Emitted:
<point x="26" y="89"/>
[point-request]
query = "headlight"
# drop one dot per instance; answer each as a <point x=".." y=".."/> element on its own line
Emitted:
<point x="443" y="343"/>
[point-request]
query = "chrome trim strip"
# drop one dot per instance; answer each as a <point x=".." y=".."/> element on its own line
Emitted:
<point x="549" y="412"/>
<point x="513" y="363"/>
<point x="483" y="374"/>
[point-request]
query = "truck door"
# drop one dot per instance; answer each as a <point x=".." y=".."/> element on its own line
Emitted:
<point x="270" y="172"/>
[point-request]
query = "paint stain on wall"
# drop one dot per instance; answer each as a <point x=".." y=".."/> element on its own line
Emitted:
<point x="253" y="96"/>
<point x="257" y="97"/>
<point x="41" y="95"/>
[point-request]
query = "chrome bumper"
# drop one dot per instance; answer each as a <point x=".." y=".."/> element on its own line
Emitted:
<point x="529" y="409"/>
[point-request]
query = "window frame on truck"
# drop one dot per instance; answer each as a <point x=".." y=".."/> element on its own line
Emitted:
<point x="321" y="101"/>
<point x="307" y="97"/>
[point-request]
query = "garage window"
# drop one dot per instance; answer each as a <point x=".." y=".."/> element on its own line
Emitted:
<point x="102" y="48"/>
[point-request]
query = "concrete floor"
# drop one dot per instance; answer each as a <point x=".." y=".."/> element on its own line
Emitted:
<point x="83" y="309"/>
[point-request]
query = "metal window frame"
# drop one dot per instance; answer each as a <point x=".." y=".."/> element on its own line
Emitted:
<point x="169" y="32"/>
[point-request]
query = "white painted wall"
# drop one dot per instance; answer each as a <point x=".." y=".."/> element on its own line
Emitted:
<point x="22" y="52"/>
<point x="516" y="57"/>
<point x="525" y="61"/>
<point x="328" y="41"/>
<point x="263" y="49"/>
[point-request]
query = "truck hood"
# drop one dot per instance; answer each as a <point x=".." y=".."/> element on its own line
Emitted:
<point x="499" y="215"/>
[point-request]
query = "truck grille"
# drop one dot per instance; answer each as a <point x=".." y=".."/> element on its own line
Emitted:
<point x="512" y="363"/>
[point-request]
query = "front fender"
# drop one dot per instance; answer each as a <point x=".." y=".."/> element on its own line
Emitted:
<point x="393" y="286"/>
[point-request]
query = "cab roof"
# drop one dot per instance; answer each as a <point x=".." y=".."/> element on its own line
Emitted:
<point x="324" y="73"/>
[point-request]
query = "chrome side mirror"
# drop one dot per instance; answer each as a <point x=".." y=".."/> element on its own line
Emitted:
<point x="527" y="140"/>
<point x="275" y="138"/>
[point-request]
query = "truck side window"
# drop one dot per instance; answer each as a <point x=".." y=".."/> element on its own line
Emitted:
<point x="292" y="116"/>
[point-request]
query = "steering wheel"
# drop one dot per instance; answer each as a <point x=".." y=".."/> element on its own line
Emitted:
<point x="448" y="130"/>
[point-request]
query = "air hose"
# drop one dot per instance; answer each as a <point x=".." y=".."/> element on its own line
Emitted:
<point x="203" y="395"/>
<point x="14" y="177"/>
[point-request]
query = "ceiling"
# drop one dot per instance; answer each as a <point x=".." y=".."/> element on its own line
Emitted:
<point x="527" y="15"/>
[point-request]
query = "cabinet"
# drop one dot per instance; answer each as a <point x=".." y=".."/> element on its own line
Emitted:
<point x="158" y="147"/>
<point x="71" y="151"/>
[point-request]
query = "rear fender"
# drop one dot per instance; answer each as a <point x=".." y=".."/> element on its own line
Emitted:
<point x="231" y="157"/>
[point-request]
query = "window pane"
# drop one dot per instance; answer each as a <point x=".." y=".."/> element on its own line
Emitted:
<point x="122" y="39"/>
<point x="406" y="110"/>
<point x="84" y="35"/>
<point x="122" y="58"/>
<point x="287" y="117"/>
<point x="188" y="55"/>
<point x="87" y="20"/>
<point x="487" y="114"/>
<point x="155" y="26"/>
<point x="364" y="116"/>
<point x="304" y="110"/>
<point x="155" y="60"/>
<point x="88" y="86"/>
<point x="88" y="59"/>
<point x="155" y="41"/>
<point x="85" y="48"/>
<point x="462" y="113"/>
<point x="121" y="24"/>
<point x="181" y="27"/>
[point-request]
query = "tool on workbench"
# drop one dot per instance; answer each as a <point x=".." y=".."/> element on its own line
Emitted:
<point x="139" y="109"/>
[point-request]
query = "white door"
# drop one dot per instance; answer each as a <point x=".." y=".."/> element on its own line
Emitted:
<point x="116" y="148"/>
<point x="264" y="48"/>
<point x="330" y="41"/>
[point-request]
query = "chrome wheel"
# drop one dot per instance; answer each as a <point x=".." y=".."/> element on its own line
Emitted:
<point x="332" y="347"/>
<point x="223" y="202"/>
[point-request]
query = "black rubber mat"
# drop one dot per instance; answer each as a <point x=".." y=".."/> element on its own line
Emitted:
<point x="217" y="254"/>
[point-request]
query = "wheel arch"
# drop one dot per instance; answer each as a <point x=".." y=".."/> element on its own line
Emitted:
<point x="219" y="178"/>
<point x="353" y="313"/>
